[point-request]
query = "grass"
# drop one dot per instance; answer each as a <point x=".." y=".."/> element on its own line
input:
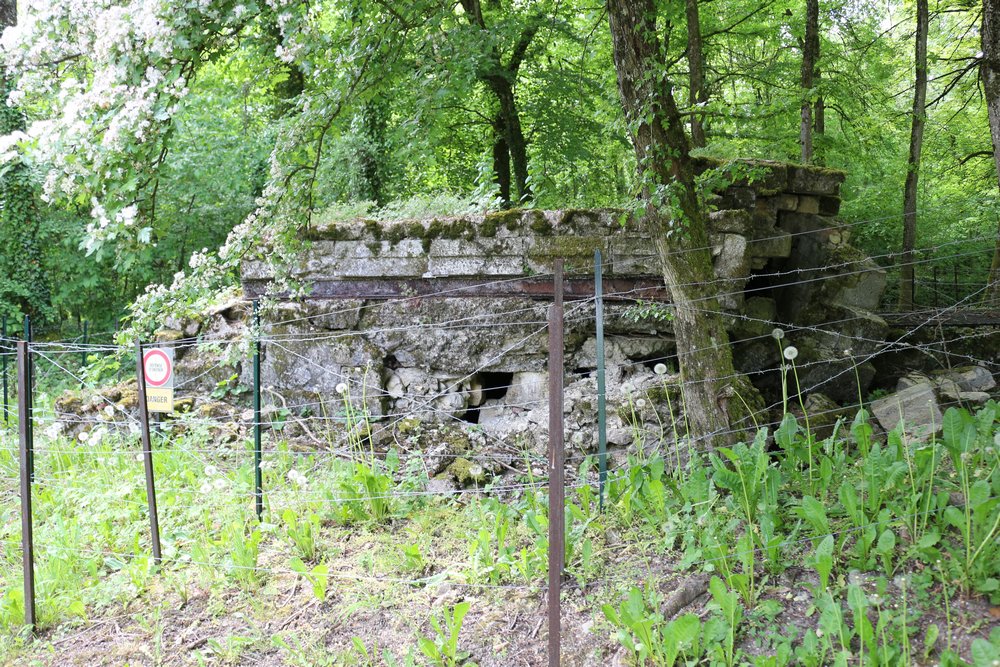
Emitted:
<point x="808" y="573"/>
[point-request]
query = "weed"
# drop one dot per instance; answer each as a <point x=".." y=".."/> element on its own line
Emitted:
<point x="442" y="649"/>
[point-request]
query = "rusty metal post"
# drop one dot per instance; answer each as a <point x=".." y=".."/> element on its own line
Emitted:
<point x="28" y="414"/>
<point x="557" y="522"/>
<point x="24" y="421"/>
<point x="147" y="454"/>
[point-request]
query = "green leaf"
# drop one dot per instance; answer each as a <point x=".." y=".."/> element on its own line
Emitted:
<point x="930" y="638"/>
<point x="886" y="542"/>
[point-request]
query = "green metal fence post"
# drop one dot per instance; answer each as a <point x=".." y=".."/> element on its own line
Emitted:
<point x="83" y="353"/>
<point x="602" y="417"/>
<point x="6" y="348"/>
<point x="257" y="476"/>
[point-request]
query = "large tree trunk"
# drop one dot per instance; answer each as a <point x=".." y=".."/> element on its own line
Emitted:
<point x="714" y="411"/>
<point x="696" y="72"/>
<point x="24" y="288"/>
<point x="913" y="163"/>
<point x="990" y="71"/>
<point x="810" y="56"/>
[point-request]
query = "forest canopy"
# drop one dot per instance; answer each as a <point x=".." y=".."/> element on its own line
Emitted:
<point x="151" y="143"/>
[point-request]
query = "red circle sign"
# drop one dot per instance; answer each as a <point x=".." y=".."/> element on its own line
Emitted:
<point x="156" y="367"/>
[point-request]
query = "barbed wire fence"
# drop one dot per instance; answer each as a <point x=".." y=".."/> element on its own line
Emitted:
<point x="346" y="428"/>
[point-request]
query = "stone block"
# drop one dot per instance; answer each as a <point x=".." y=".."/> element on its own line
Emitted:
<point x="815" y="181"/>
<point x="730" y="222"/>
<point x="484" y="257"/>
<point x="778" y="243"/>
<point x="915" y="406"/>
<point x="633" y="255"/>
<point x="808" y="204"/>
<point x="968" y="378"/>
<point x="864" y="286"/>
<point x="786" y="201"/>
<point x="359" y="259"/>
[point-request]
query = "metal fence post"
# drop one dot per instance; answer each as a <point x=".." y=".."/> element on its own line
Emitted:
<point x="557" y="525"/>
<point x="147" y="454"/>
<point x="7" y="348"/>
<point x="26" y="447"/>
<point x="602" y="417"/>
<point x="257" y="475"/>
<point x="83" y="354"/>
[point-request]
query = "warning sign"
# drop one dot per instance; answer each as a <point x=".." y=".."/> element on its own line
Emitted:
<point x="158" y="369"/>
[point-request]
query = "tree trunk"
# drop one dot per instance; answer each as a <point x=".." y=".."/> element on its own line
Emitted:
<point x="501" y="159"/>
<point x="371" y="154"/>
<point x="696" y="72"/>
<point x="810" y="56"/>
<point x="288" y="89"/>
<point x="819" y="109"/>
<point x="500" y="79"/>
<point x="714" y="411"/>
<point x="989" y="68"/>
<point x="513" y="135"/>
<point x="913" y="162"/>
<point x="24" y="289"/>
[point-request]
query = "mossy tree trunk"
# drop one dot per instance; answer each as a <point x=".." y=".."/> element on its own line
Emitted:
<point x="715" y="395"/>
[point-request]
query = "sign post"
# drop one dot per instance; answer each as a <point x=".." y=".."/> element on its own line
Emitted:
<point x="162" y="368"/>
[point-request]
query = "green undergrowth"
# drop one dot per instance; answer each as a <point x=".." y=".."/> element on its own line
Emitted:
<point x="847" y="550"/>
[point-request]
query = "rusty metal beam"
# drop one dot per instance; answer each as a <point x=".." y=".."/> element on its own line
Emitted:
<point x="615" y="289"/>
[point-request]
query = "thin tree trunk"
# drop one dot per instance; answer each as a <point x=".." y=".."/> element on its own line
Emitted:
<point x="810" y="56"/>
<point x="696" y="72"/>
<point x="913" y="163"/>
<point x="513" y="135"/>
<point x="989" y="69"/>
<point x="500" y="79"/>
<point x="819" y="109"/>
<point x="714" y="411"/>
